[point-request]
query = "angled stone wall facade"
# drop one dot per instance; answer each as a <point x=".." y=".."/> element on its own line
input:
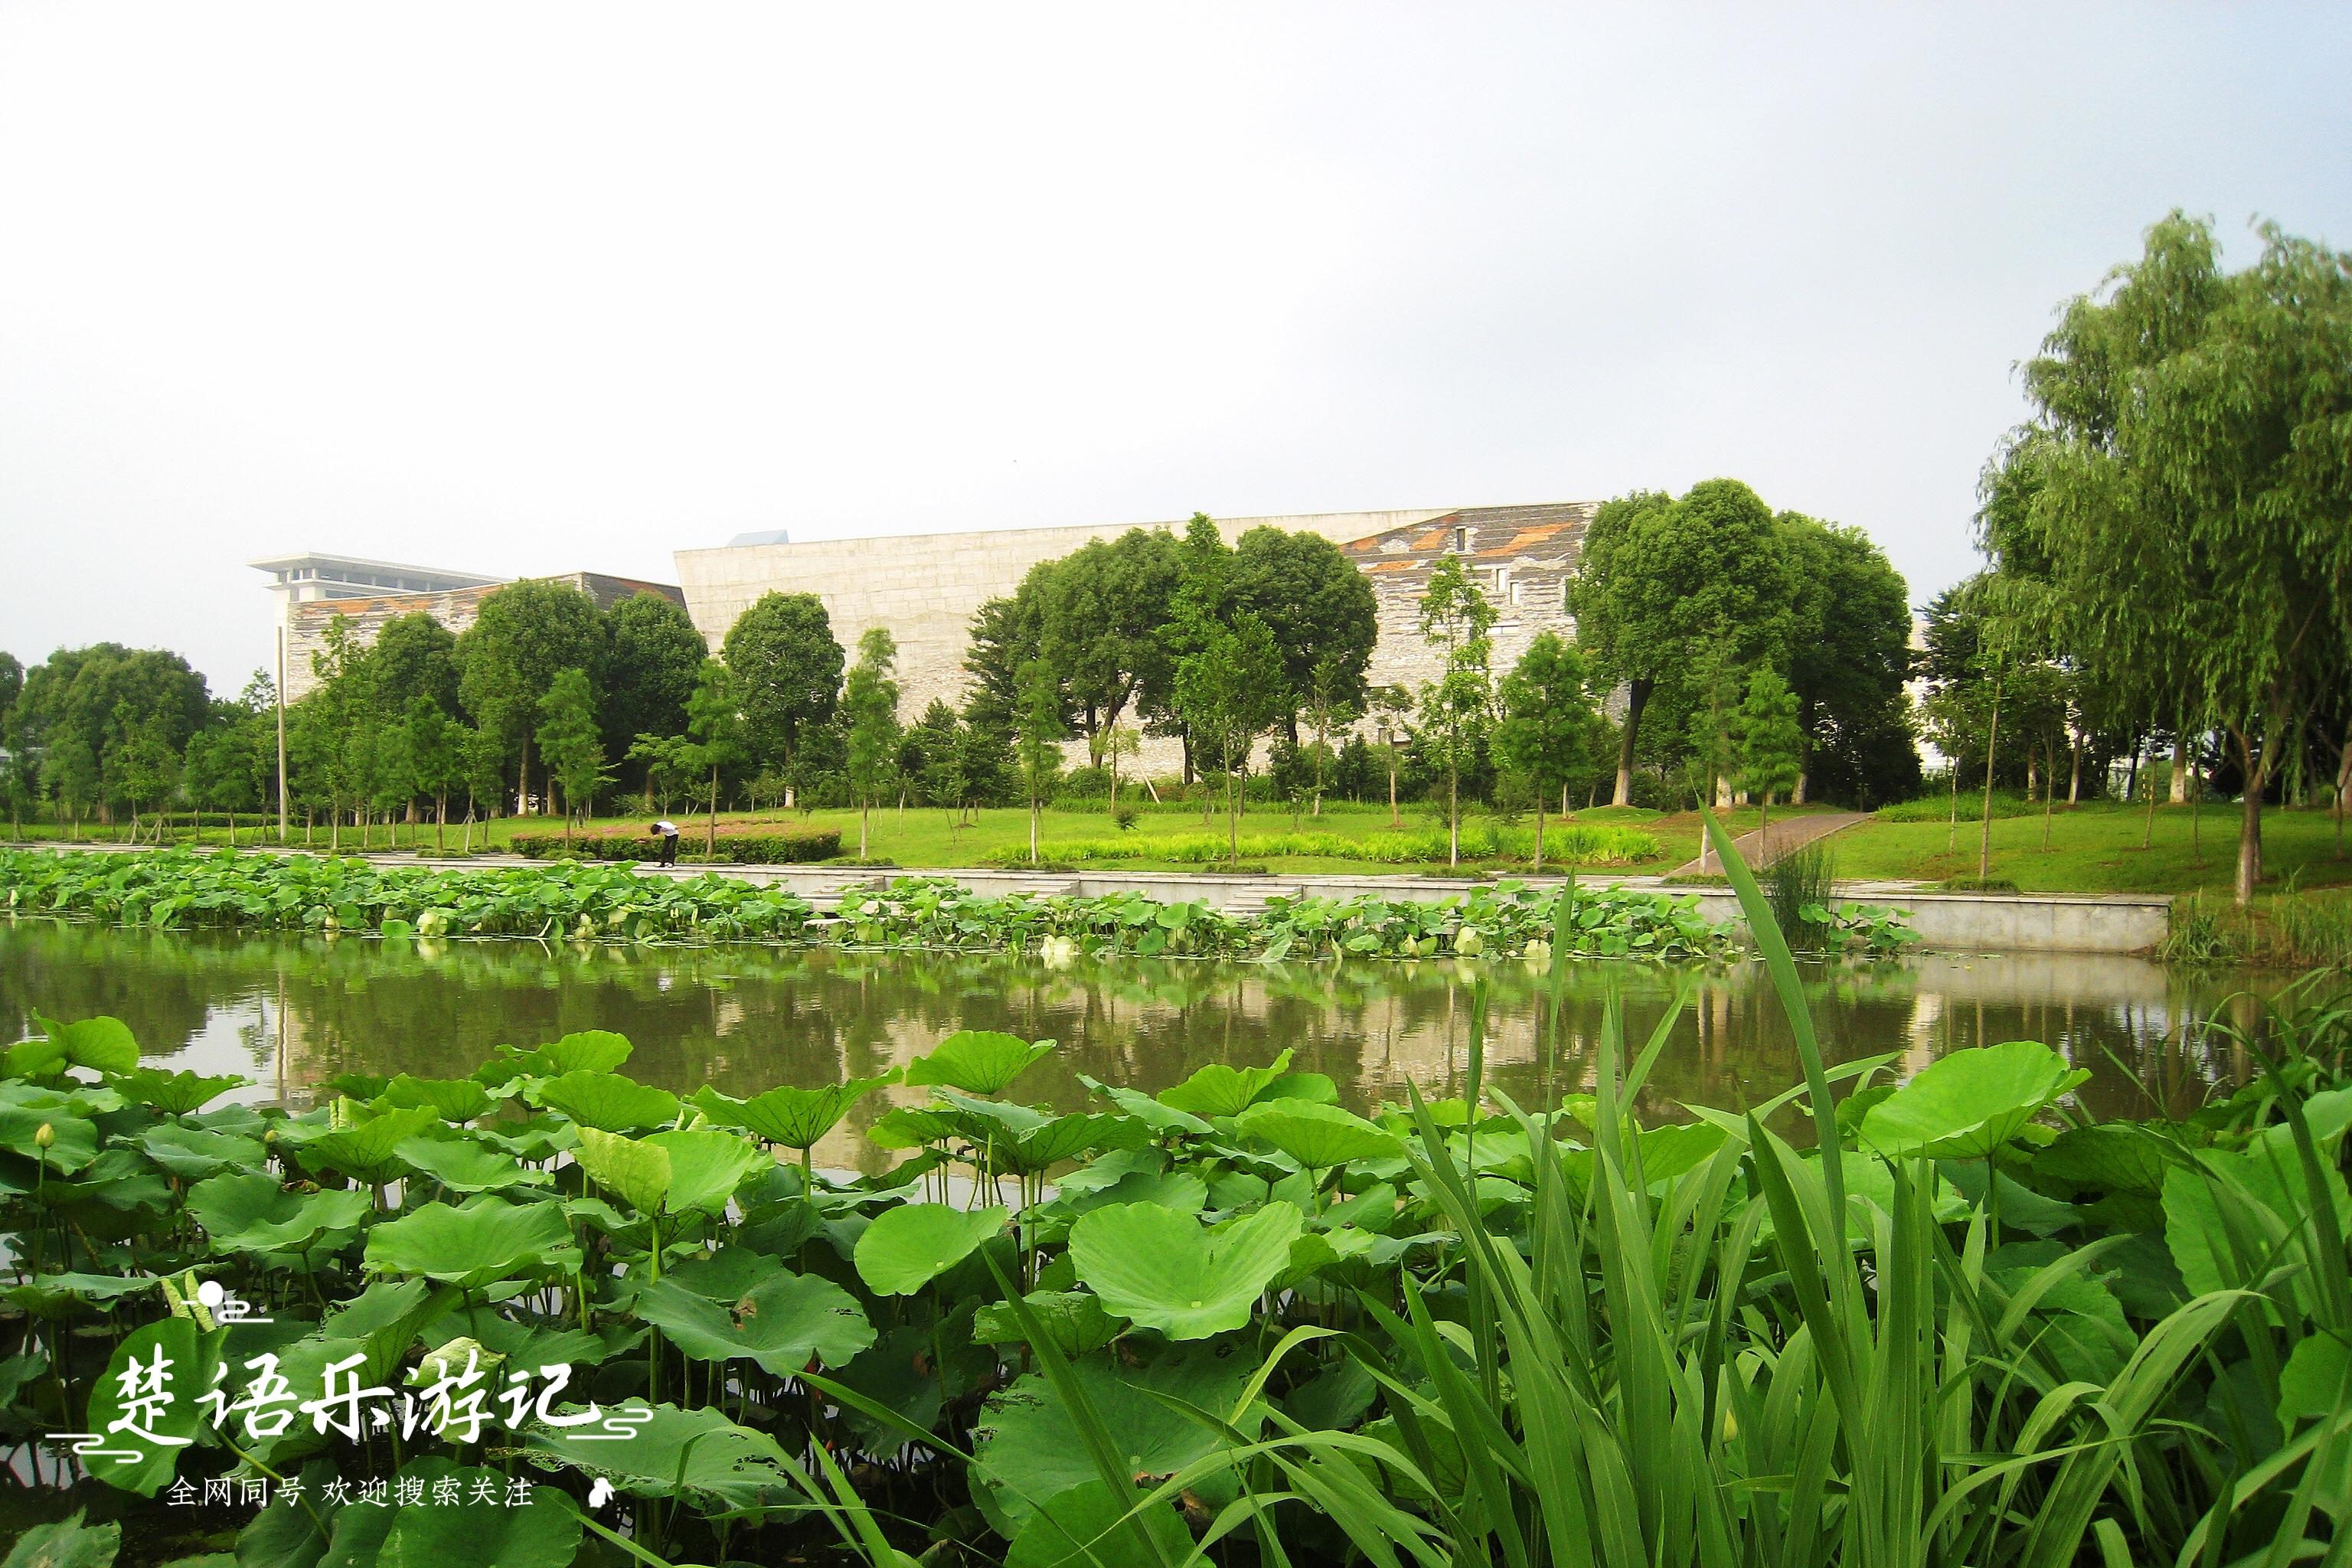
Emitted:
<point x="926" y="588"/>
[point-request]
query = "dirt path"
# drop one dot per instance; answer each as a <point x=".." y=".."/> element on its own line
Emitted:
<point x="1760" y="849"/>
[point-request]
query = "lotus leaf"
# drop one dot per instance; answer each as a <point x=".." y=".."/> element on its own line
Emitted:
<point x="457" y="1099"/>
<point x="910" y="1127"/>
<point x="669" y="1172"/>
<point x="73" y="1139"/>
<point x="472" y="1244"/>
<point x="61" y="1295"/>
<point x="608" y="1101"/>
<point x="1028" y="1449"/>
<point x="586" y="1050"/>
<point x="1162" y="1119"/>
<point x="1088" y="1525"/>
<point x="1217" y="1089"/>
<point x="463" y="1165"/>
<point x="194" y="1153"/>
<point x="543" y="1533"/>
<point x="794" y="1118"/>
<point x="2114" y="1156"/>
<point x="368" y="1151"/>
<point x="1167" y="1272"/>
<point x="698" y="1452"/>
<point x="249" y="1212"/>
<point x="68" y="1543"/>
<point x="2258" y="1193"/>
<point x="101" y="1044"/>
<point x="907" y="1248"/>
<point x="1075" y="1320"/>
<point x="1968" y="1104"/>
<point x="978" y="1061"/>
<point x="1318" y="1137"/>
<point x="782" y="1321"/>
<point x="175" y="1094"/>
<point x="175" y="1341"/>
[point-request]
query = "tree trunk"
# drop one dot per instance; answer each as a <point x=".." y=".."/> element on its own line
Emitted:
<point x="2050" y="796"/>
<point x="1539" y="814"/>
<point x="2074" y="779"/>
<point x="1797" y="796"/>
<point x="1637" y="693"/>
<point x="1033" y="830"/>
<point x="523" y="781"/>
<point x="2343" y="783"/>
<point x="1952" y="828"/>
<point x="865" y="813"/>
<point x="1763" y="821"/>
<point x="1396" y="821"/>
<point x="1453" y="816"/>
<point x="710" y="823"/>
<point x="1992" y="748"/>
<point x="2147" y="827"/>
<point x="2250" y="825"/>
<point x="441" y="823"/>
<point x="2181" y="766"/>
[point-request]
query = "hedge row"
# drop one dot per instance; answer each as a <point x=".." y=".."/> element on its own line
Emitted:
<point x="773" y="846"/>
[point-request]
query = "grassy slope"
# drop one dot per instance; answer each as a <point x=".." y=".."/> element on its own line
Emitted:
<point x="2097" y="848"/>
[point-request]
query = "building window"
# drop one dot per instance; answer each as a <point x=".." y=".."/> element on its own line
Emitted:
<point x="1519" y="592"/>
<point x="1461" y="539"/>
<point x="1503" y="585"/>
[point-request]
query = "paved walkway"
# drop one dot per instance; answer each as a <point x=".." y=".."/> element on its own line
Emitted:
<point x="1761" y="849"/>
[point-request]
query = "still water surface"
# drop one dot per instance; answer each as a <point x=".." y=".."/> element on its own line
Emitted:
<point x="291" y="1012"/>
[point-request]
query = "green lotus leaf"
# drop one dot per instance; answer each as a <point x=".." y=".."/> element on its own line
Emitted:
<point x="472" y="1244"/>
<point x="194" y="1153"/>
<point x="699" y="1453"/>
<point x="1028" y="1447"/>
<point x="175" y="1093"/>
<point x="1968" y="1104"/>
<point x="367" y="1150"/>
<point x="457" y="1099"/>
<point x="794" y="1118"/>
<point x="1318" y="1137"/>
<point x="248" y="1212"/>
<point x="1088" y="1525"/>
<point x="2259" y="1194"/>
<point x="1162" y="1119"/>
<point x="910" y="1127"/>
<point x="1074" y="1320"/>
<point x="544" y="1534"/>
<point x="1217" y="1089"/>
<point x="101" y="1044"/>
<point x="69" y="1544"/>
<point x="55" y="1295"/>
<point x="2114" y="1156"/>
<point x="131" y="1463"/>
<point x="1167" y="1272"/>
<point x="907" y="1247"/>
<point x="463" y="1165"/>
<point x="72" y="1139"/>
<point x="978" y="1061"/>
<point x="669" y="1172"/>
<point x="608" y="1101"/>
<point x="586" y="1050"/>
<point x="782" y="1321"/>
<point x="364" y="1087"/>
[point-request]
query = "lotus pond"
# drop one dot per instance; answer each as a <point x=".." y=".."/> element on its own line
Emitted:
<point x="363" y="1252"/>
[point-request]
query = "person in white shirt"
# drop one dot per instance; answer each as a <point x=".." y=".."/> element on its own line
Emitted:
<point x="666" y="831"/>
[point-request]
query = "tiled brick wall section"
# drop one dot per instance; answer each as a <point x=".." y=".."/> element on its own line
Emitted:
<point x="307" y="623"/>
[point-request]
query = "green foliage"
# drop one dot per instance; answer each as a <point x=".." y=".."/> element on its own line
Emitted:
<point x="570" y="742"/>
<point x="786" y="667"/>
<point x="1457" y="709"/>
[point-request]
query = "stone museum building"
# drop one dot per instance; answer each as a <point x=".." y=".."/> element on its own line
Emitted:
<point x="925" y="588"/>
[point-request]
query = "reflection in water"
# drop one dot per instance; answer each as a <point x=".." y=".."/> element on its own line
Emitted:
<point x="292" y="1012"/>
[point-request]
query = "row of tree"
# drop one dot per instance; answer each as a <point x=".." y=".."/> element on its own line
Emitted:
<point x="2171" y="536"/>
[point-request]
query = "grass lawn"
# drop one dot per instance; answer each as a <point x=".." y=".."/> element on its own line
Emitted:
<point x="2097" y="848"/>
<point x="926" y="836"/>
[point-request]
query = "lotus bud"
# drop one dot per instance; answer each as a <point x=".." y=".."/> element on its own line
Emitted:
<point x="44" y="1136"/>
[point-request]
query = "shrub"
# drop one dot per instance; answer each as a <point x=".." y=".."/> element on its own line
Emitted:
<point x="766" y="846"/>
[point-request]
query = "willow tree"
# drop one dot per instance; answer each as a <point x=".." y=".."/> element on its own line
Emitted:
<point x="1457" y="709"/>
<point x="2184" y="484"/>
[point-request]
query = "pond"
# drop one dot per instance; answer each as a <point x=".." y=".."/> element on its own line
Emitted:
<point x="292" y="1012"/>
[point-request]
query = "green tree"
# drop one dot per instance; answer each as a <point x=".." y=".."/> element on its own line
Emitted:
<point x="1660" y="583"/>
<point x="869" y="700"/>
<point x="1037" y="739"/>
<point x="484" y="756"/>
<point x="1549" y="721"/>
<point x="1457" y="709"/>
<point x="652" y="654"/>
<point x="787" y="669"/>
<point x="1771" y="745"/>
<point x="508" y="658"/>
<point x="1392" y="707"/>
<point x="1849" y="658"/>
<point x="572" y="743"/>
<point x="437" y="759"/>
<point x="1319" y="610"/>
<point x="69" y="776"/>
<point x="1229" y="694"/>
<point x="714" y="721"/>
<point x="2180" y="488"/>
<point x="413" y="655"/>
<point x="139" y="766"/>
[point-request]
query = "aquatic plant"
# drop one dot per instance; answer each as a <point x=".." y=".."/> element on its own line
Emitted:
<point x="1948" y="1321"/>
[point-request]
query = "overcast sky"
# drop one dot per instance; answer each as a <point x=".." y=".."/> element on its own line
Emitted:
<point x="520" y="288"/>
